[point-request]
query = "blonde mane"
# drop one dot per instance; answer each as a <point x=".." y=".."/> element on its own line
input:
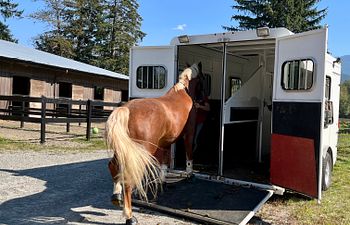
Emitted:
<point x="186" y="74"/>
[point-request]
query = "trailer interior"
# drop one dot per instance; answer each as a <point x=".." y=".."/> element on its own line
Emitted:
<point x="239" y="76"/>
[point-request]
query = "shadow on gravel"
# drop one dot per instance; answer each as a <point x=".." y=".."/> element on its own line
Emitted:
<point x="67" y="186"/>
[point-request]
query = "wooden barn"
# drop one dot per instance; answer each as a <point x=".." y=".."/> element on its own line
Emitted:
<point x="34" y="73"/>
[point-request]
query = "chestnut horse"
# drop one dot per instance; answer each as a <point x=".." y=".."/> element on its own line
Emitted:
<point x="140" y="134"/>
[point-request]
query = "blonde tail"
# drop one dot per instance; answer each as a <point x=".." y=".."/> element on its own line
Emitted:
<point x="137" y="167"/>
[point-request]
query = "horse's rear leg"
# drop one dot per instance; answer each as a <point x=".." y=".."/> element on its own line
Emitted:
<point x="188" y="141"/>
<point x="164" y="162"/>
<point x="117" y="196"/>
<point x="130" y="220"/>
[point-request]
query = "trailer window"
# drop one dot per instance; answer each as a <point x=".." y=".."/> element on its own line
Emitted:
<point x="297" y="74"/>
<point x="236" y="84"/>
<point x="150" y="77"/>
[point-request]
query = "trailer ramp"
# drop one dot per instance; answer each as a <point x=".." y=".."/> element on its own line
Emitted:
<point x="207" y="201"/>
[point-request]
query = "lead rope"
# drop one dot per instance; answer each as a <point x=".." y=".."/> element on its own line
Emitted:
<point x="148" y="142"/>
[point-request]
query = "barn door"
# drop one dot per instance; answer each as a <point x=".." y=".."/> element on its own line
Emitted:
<point x="151" y="71"/>
<point x="297" y="112"/>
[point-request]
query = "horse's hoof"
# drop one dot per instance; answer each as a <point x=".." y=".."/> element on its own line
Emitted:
<point x="132" y="221"/>
<point x="117" y="200"/>
<point x="191" y="178"/>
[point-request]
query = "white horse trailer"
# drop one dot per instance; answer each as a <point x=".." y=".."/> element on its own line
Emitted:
<point x="274" y="99"/>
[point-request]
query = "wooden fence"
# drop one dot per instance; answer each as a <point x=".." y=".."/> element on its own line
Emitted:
<point x="59" y="110"/>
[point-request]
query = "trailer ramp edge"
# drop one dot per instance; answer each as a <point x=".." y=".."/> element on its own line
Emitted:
<point x="211" y="201"/>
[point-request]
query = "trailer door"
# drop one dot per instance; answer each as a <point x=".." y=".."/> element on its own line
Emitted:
<point x="297" y="112"/>
<point x="151" y="71"/>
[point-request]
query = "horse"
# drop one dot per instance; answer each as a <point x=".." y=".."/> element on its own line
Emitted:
<point x="140" y="134"/>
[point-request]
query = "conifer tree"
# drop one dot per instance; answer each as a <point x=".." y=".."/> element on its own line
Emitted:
<point x="296" y="15"/>
<point x="122" y="30"/>
<point x="98" y="32"/>
<point x="344" y="105"/>
<point x="8" y="10"/>
<point x="54" y="40"/>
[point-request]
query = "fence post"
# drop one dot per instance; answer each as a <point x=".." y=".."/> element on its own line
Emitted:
<point x="79" y="112"/>
<point x="69" y="107"/>
<point x="88" y="119"/>
<point x="43" y="120"/>
<point x="22" y="113"/>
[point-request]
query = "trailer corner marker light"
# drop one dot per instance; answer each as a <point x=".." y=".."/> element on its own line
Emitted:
<point x="183" y="39"/>
<point x="262" y="31"/>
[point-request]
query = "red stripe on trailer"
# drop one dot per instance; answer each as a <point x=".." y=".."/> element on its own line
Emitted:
<point x="293" y="164"/>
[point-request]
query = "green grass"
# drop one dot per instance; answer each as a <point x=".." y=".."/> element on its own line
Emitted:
<point x="76" y="144"/>
<point x="94" y="143"/>
<point x="335" y="203"/>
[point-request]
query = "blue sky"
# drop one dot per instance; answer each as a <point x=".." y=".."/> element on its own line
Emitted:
<point x="165" y="19"/>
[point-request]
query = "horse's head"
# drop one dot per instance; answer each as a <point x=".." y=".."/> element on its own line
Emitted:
<point x="188" y="74"/>
<point x="191" y="71"/>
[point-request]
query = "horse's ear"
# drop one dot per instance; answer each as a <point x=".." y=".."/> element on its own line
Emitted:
<point x="200" y="66"/>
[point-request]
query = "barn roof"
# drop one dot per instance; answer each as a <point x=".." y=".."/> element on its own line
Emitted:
<point x="15" y="51"/>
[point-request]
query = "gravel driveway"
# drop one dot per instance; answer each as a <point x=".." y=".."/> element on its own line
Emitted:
<point x="65" y="188"/>
<point x="70" y="186"/>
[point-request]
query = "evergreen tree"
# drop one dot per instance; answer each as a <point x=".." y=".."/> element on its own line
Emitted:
<point x="8" y="10"/>
<point x="98" y="32"/>
<point x="85" y="21"/>
<point x="54" y="40"/>
<point x="344" y="105"/>
<point x="296" y="15"/>
<point x="122" y="30"/>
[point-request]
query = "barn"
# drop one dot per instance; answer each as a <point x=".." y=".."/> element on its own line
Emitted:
<point x="34" y="73"/>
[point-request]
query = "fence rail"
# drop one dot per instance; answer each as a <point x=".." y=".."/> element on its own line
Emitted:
<point x="59" y="110"/>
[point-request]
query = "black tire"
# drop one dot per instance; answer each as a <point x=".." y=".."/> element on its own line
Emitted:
<point x="327" y="168"/>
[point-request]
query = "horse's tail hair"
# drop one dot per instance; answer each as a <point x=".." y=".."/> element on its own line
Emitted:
<point x="137" y="167"/>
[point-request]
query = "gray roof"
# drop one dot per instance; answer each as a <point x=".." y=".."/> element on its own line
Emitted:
<point x="19" y="52"/>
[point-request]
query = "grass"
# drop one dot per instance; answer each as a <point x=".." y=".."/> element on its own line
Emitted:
<point x="335" y="203"/>
<point x="77" y="144"/>
<point x="94" y="143"/>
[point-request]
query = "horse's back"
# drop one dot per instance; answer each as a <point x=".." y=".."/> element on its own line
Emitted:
<point x="157" y="119"/>
<point x="147" y="118"/>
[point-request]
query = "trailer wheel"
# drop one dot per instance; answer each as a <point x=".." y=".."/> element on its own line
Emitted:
<point x="327" y="167"/>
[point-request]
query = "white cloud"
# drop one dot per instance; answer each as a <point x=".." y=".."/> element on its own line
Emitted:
<point x="180" y="27"/>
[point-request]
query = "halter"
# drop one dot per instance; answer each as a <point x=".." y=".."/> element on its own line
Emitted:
<point x="148" y="142"/>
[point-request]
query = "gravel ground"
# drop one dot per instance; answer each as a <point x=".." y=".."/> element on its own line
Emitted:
<point x="47" y="188"/>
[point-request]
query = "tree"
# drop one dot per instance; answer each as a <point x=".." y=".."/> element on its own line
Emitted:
<point x="54" y="40"/>
<point x="122" y="30"/>
<point x="8" y="10"/>
<point x="344" y="105"/>
<point x="296" y="15"/>
<point x="98" y="32"/>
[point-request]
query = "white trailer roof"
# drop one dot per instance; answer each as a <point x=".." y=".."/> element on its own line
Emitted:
<point x="15" y="51"/>
<point x="248" y="35"/>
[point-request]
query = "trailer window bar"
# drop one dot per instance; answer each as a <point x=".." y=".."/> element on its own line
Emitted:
<point x="151" y="77"/>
